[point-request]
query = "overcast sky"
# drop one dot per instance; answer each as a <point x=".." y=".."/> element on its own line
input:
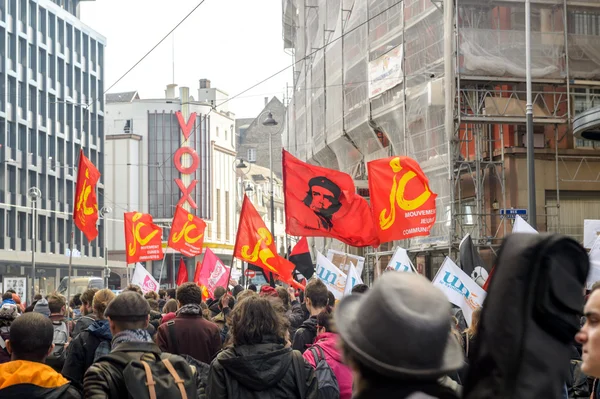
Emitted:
<point x="233" y="43"/>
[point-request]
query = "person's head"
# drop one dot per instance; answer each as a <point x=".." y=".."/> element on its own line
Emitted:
<point x="37" y="297"/>
<point x="360" y="289"/>
<point x="101" y="300"/>
<point x="472" y="330"/>
<point x="236" y="290"/>
<point x="189" y="294"/>
<point x="86" y="301"/>
<point x="245" y="294"/>
<point x="412" y="306"/>
<point x="284" y="295"/>
<point x="330" y="299"/>
<point x="267" y="290"/>
<point x="11" y="291"/>
<point x="325" y="323"/>
<point x="252" y="287"/>
<point x="56" y="303"/>
<point x="323" y="196"/>
<point x="7" y="295"/>
<point x="255" y="317"/>
<point x="230" y="302"/>
<point x="316" y="296"/>
<point x="589" y="336"/>
<point x="76" y="301"/>
<point x="31" y="338"/>
<point x="128" y="311"/>
<point x="219" y="292"/>
<point x="205" y="311"/>
<point x="8" y="313"/>
<point x="171" y="293"/>
<point x="151" y="295"/>
<point x="41" y="307"/>
<point x="162" y="293"/>
<point x="134" y="288"/>
<point x="153" y="304"/>
<point x="170" y="306"/>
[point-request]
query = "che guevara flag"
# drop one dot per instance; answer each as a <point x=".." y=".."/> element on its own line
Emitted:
<point x="254" y="244"/>
<point x="85" y="213"/>
<point x="187" y="233"/>
<point x="321" y="202"/>
<point x="402" y="202"/>
<point x="143" y="238"/>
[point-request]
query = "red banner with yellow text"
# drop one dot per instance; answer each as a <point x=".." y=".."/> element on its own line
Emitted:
<point x="187" y="233"/>
<point x="85" y="213"/>
<point x="402" y="202"/>
<point x="254" y="244"/>
<point x="143" y="238"/>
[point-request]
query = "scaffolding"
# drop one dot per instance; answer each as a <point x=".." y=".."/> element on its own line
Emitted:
<point x="351" y="105"/>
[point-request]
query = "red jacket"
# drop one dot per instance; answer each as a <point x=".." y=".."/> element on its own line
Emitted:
<point x="328" y="342"/>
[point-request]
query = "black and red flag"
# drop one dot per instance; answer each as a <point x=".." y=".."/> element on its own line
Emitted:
<point x="300" y="257"/>
<point x="321" y="202"/>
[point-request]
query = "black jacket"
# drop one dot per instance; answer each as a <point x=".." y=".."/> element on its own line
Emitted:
<point x="263" y="371"/>
<point x="405" y="390"/>
<point x="104" y="380"/>
<point x="81" y="351"/>
<point x="82" y="323"/>
<point x="305" y="335"/>
<point x="296" y="317"/>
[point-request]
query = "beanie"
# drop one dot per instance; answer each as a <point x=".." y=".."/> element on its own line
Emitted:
<point x="42" y="307"/>
<point x="267" y="290"/>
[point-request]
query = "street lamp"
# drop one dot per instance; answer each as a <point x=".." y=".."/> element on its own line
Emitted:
<point x="104" y="216"/>
<point x="34" y="194"/>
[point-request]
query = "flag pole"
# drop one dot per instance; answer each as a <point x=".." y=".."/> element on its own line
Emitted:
<point x="161" y="269"/>
<point x="70" y="277"/>
<point x="127" y="270"/>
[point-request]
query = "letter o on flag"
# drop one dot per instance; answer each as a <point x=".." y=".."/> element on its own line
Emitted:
<point x="177" y="160"/>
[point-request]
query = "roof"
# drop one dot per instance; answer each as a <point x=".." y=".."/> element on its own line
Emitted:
<point x="125" y="97"/>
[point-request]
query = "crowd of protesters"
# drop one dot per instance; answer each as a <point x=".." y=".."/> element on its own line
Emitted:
<point x="399" y="338"/>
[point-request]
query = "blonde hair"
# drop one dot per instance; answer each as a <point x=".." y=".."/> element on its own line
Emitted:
<point x="472" y="330"/>
<point x="101" y="300"/>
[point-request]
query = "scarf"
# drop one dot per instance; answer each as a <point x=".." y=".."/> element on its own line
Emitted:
<point x="190" y="309"/>
<point x="131" y="336"/>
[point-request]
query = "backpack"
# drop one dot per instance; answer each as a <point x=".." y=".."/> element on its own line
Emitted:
<point x="56" y="359"/>
<point x="529" y="318"/>
<point x="167" y="376"/>
<point x="327" y="381"/>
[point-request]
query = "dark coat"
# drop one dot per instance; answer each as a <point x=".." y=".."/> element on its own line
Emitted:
<point x="405" y="390"/>
<point x="104" y="379"/>
<point x="155" y="318"/>
<point x="81" y="350"/>
<point x="195" y="336"/>
<point x="305" y="335"/>
<point x="262" y="371"/>
<point x="82" y="323"/>
<point x="295" y="315"/>
<point x="5" y="334"/>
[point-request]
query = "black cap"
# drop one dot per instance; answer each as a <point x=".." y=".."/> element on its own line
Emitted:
<point x="128" y="306"/>
<point x="324" y="182"/>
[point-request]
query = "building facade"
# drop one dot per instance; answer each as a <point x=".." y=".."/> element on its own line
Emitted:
<point x="51" y="106"/>
<point x="150" y="168"/>
<point x="446" y="86"/>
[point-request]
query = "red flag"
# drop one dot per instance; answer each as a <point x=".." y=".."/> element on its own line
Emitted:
<point x="197" y="273"/>
<point x="254" y="244"/>
<point x="322" y="202"/>
<point x="301" y="258"/>
<point x="403" y="205"/>
<point x="182" y="274"/>
<point x="212" y="274"/>
<point x="187" y="233"/>
<point x="85" y="213"/>
<point x="143" y="238"/>
<point x="489" y="280"/>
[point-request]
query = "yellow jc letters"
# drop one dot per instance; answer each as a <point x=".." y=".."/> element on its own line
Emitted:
<point x="263" y="253"/>
<point x="83" y="197"/>
<point x="186" y="229"/>
<point x="137" y="237"/>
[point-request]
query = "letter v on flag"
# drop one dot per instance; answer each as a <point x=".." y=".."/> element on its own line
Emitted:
<point x="402" y="203"/>
<point x="254" y="244"/>
<point x="460" y="289"/>
<point x="85" y="213"/>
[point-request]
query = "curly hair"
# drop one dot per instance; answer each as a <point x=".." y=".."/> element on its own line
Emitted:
<point x="151" y="295"/>
<point x="134" y="288"/>
<point x="255" y="317"/>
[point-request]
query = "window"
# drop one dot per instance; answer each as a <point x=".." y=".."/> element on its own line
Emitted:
<point x="227" y="232"/>
<point x="251" y="154"/>
<point x="218" y="214"/>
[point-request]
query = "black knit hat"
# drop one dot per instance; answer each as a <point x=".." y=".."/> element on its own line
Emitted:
<point x="324" y="182"/>
<point x="129" y="306"/>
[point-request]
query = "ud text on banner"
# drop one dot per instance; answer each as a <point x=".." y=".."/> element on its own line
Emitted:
<point x="400" y="262"/>
<point x="331" y="275"/>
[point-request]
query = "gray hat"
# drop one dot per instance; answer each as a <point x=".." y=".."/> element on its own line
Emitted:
<point x="128" y="306"/>
<point x="400" y="328"/>
<point x="41" y="306"/>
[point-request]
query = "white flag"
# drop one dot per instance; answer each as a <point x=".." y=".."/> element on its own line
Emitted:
<point x="143" y="279"/>
<point x="594" y="273"/>
<point x="331" y="275"/>
<point x="352" y="280"/>
<point x="460" y="289"/>
<point x="400" y="262"/>
<point x="521" y="226"/>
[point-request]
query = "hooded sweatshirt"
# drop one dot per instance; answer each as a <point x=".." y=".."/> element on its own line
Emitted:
<point x="264" y="371"/>
<point x="34" y="380"/>
<point x="328" y="343"/>
<point x="82" y="350"/>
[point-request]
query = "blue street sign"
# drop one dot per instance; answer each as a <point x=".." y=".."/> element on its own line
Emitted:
<point x="511" y="213"/>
